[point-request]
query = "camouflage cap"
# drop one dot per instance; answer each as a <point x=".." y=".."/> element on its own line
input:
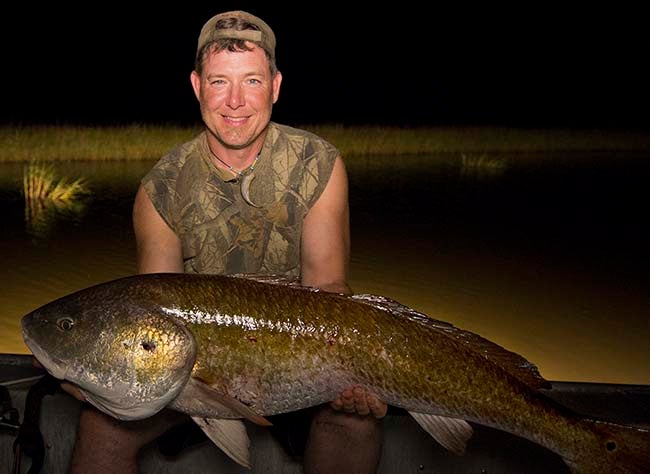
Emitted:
<point x="264" y="37"/>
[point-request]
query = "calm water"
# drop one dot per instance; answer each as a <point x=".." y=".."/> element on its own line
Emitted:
<point x="545" y="255"/>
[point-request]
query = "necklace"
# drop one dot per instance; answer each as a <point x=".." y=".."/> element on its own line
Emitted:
<point x="246" y="176"/>
<point x="233" y="170"/>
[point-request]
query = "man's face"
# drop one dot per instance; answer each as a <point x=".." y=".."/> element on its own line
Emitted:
<point x="236" y="94"/>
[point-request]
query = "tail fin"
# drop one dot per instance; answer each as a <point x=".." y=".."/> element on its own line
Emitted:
<point x="621" y="450"/>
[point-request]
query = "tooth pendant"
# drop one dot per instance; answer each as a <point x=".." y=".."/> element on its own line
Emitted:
<point x="245" y="188"/>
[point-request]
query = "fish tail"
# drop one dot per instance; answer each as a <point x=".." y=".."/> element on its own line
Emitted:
<point x="620" y="450"/>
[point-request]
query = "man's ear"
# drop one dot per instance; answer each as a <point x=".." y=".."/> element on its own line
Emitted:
<point x="277" y="80"/>
<point x="195" y="79"/>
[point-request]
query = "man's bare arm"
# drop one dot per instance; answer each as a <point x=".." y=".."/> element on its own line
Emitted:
<point x="158" y="247"/>
<point x="326" y="236"/>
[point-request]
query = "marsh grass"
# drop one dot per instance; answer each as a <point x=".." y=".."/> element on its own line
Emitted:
<point x="65" y="143"/>
<point x="360" y="141"/>
<point x="48" y="195"/>
<point x="482" y="165"/>
<point x="41" y="182"/>
<point x="147" y="142"/>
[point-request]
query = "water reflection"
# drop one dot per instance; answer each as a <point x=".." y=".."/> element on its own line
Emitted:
<point x="41" y="215"/>
<point x="547" y="257"/>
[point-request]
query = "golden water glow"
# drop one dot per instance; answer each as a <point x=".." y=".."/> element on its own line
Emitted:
<point x="571" y="325"/>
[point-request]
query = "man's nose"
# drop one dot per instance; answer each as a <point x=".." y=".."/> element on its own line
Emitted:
<point x="235" y="97"/>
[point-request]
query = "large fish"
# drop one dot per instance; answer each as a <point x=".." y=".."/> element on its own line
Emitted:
<point x="227" y="348"/>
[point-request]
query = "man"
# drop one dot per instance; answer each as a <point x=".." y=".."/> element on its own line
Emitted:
<point x="246" y="196"/>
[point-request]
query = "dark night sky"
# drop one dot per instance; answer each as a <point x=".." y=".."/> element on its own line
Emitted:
<point x="537" y="66"/>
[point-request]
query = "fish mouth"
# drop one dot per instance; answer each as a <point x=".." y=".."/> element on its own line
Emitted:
<point x="56" y="368"/>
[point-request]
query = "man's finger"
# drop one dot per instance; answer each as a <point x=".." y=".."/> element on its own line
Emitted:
<point x="360" y="402"/>
<point x="344" y="402"/>
<point x="337" y="404"/>
<point x="376" y="406"/>
<point x="73" y="390"/>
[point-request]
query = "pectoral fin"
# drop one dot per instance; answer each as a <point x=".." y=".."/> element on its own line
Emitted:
<point x="451" y="433"/>
<point x="229" y="435"/>
<point x="199" y="397"/>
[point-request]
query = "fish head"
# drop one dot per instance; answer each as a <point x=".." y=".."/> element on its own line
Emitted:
<point x="128" y="359"/>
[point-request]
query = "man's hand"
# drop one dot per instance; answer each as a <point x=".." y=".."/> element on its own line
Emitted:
<point x="73" y="390"/>
<point x="67" y="387"/>
<point x="357" y="400"/>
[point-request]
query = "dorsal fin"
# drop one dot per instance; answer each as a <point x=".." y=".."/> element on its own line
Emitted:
<point x="274" y="279"/>
<point x="513" y="363"/>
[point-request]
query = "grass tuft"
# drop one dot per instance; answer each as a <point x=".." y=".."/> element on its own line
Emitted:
<point x="41" y="182"/>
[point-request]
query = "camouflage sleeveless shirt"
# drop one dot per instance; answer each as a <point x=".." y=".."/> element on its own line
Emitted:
<point x="219" y="231"/>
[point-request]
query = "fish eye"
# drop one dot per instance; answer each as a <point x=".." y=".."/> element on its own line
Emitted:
<point x="65" y="324"/>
